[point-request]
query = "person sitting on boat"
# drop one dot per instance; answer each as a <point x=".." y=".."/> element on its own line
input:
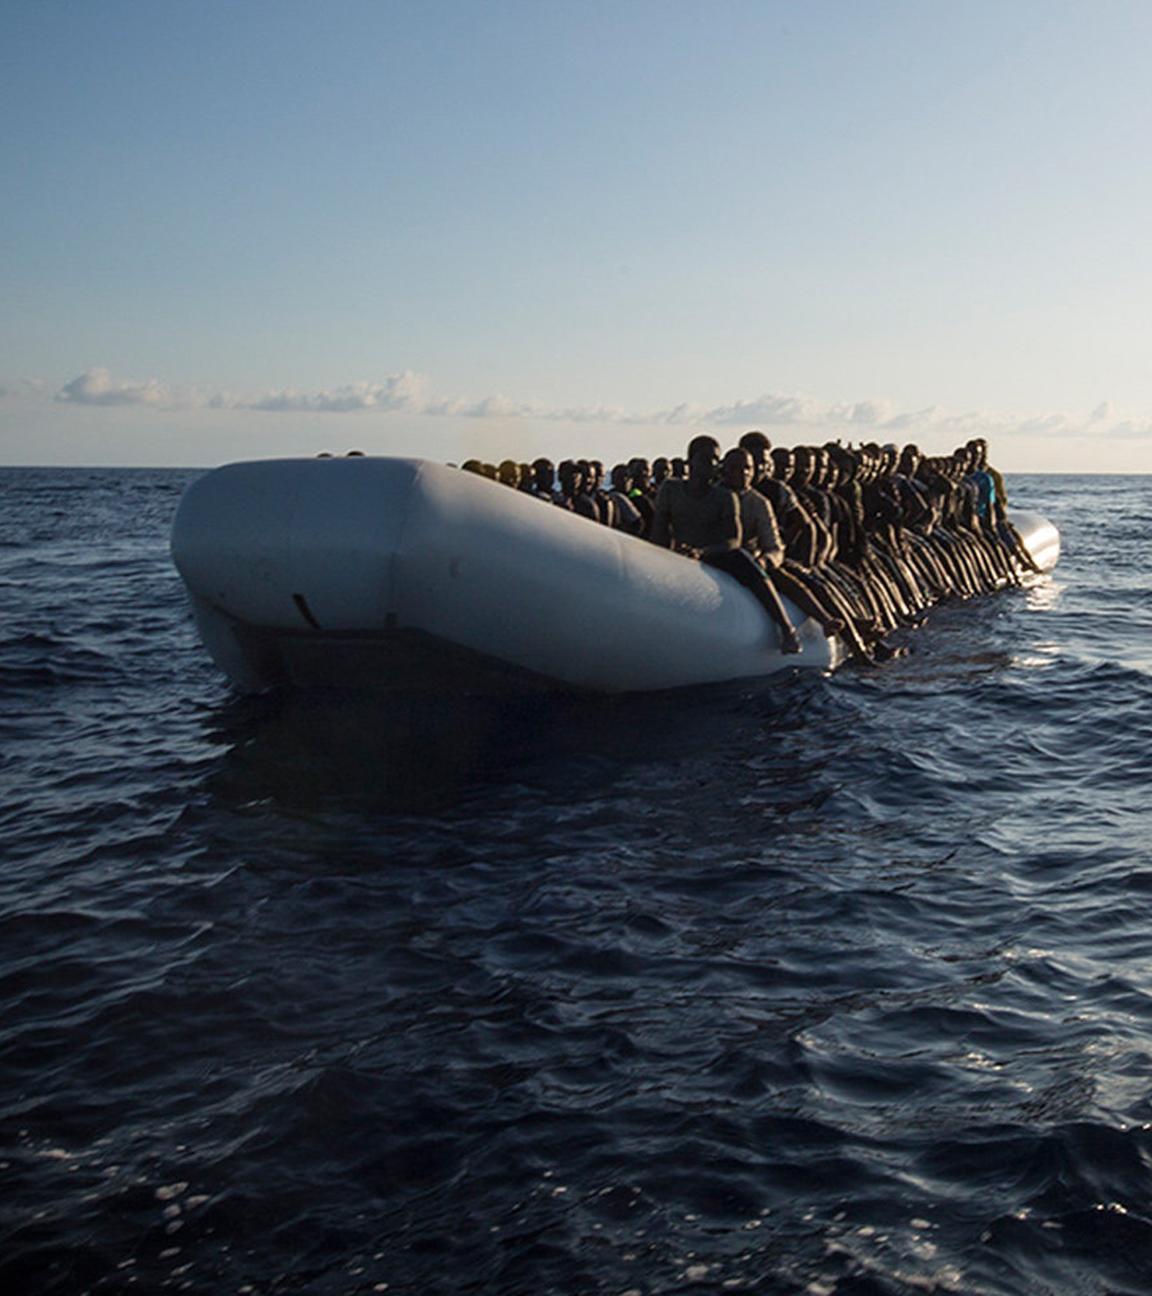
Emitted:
<point x="957" y="545"/>
<point x="979" y="514"/>
<point x="761" y="538"/>
<point x="759" y="447"/>
<point x="702" y="520"/>
<point x="805" y="537"/>
<point x="829" y="597"/>
<point x="628" y="516"/>
<point x="640" y="474"/>
<point x="591" y="473"/>
<point x="843" y="571"/>
<point x="572" y="495"/>
<point x="994" y="501"/>
<point x="544" y="480"/>
<point x="642" y="492"/>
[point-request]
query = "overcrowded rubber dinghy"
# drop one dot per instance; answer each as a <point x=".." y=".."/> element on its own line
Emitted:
<point x="405" y="574"/>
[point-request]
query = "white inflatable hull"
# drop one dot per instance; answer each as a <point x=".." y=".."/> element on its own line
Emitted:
<point x="404" y="574"/>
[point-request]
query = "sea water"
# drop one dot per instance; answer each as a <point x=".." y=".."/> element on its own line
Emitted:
<point x="802" y="985"/>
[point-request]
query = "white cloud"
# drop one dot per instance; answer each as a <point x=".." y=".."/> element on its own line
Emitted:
<point x="869" y="413"/>
<point x="96" y="387"/>
<point x="925" y="417"/>
<point x="1132" y="430"/>
<point x="408" y="393"/>
<point x="775" y="410"/>
<point x="402" y="391"/>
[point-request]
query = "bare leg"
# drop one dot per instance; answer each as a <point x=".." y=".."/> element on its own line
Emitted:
<point x="740" y="564"/>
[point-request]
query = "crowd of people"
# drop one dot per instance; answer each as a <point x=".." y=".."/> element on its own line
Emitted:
<point x="862" y="538"/>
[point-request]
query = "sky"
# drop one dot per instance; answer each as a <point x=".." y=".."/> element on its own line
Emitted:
<point x="506" y="228"/>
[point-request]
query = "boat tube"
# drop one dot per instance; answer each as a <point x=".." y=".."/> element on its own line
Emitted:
<point x="405" y="574"/>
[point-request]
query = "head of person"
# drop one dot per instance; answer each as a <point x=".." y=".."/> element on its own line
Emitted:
<point x="640" y="473"/>
<point x="621" y="478"/>
<point x="525" y="476"/>
<point x="978" y="453"/>
<point x="678" y="467"/>
<point x="848" y="464"/>
<point x="509" y="473"/>
<point x="758" y="446"/>
<point x="909" y="461"/>
<point x="820" y="466"/>
<point x="543" y="475"/>
<point x="586" y="479"/>
<point x="737" y="469"/>
<point x="936" y="480"/>
<point x="782" y="463"/>
<point x="803" y="465"/>
<point x="473" y="466"/>
<point x="703" y="458"/>
<point x="661" y="469"/>
<point x="595" y="474"/>
<point x="571" y="478"/>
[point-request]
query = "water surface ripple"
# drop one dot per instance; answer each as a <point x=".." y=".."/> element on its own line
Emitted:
<point x="827" y="986"/>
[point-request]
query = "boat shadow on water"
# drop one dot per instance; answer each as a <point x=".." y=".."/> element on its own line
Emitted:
<point x="420" y="753"/>
<point x="423" y="752"/>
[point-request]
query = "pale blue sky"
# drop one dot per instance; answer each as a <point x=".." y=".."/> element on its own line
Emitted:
<point x="242" y="229"/>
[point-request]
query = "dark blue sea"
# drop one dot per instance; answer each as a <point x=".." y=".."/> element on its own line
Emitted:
<point x="835" y="986"/>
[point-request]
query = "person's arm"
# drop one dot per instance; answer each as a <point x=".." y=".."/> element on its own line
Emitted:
<point x="823" y="545"/>
<point x="917" y="511"/>
<point x="661" y="532"/>
<point x="1000" y="499"/>
<point x="627" y="515"/>
<point x="968" y="507"/>
<point x="797" y="531"/>
<point x="767" y="533"/>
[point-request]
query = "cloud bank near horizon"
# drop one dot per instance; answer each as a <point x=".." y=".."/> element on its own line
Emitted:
<point x="409" y="393"/>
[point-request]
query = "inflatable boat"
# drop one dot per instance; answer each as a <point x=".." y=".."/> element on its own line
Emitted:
<point x="405" y="574"/>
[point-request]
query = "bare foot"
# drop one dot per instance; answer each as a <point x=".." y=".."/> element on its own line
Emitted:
<point x="886" y="651"/>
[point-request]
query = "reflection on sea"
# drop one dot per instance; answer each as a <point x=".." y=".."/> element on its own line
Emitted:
<point x="1044" y="594"/>
<point x="419" y="754"/>
<point x="1040" y="656"/>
